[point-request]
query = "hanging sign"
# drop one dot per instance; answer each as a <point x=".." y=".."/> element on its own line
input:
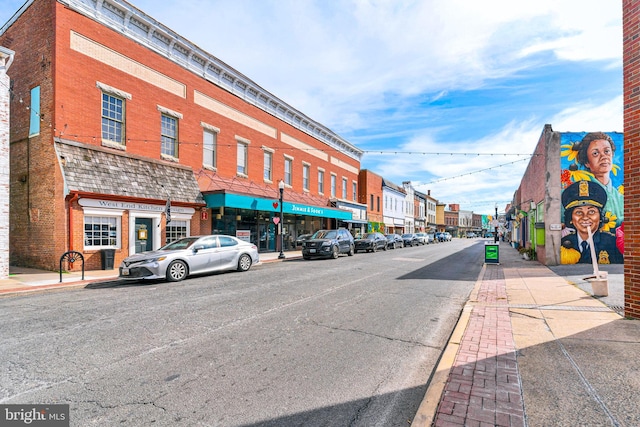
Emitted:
<point x="276" y="219"/>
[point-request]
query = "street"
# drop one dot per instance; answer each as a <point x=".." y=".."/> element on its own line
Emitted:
<point x="342" y="342"/>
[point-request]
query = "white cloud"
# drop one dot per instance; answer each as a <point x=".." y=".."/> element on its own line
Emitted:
<point x="336" y="60"/>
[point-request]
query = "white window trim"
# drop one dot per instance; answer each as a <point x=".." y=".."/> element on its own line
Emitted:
<point x="169" y="112"/>
<point x="291" y="159"/>
<point x="270" y="151"/>
<point x="246" y="142"/>
<point x="215" y="130"/>
<point x="308" y="166"/>
<point x="117" y="213"/>
<point x="113" y="91"/>
<point x="209" y="127"/>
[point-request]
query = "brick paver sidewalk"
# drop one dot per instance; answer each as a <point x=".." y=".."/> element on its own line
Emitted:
<point x="484" y="387"/>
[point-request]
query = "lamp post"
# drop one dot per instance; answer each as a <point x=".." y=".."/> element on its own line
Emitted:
<point x="495" y="236"/>
<point x="281" y="188"/>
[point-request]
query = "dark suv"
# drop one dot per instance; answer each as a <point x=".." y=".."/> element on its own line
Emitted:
<point x="328" y="244"/>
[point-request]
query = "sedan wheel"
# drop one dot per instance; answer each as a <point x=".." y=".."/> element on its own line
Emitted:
<point x="384" y="248"/>
<point x="177" y="271"/>
<point x="244" y="263"/>
<point x="351" y="250"/>
<point x="374" y="248"/>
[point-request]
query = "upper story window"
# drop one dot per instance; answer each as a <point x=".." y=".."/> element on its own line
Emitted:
<point x="344" y="188"/>
<point x="288" y="171"/>
<point x="209" y="146"/>
<point x="333" y="185"/>
<point x="112" y="118"/>
<point x="169" y="132"/>
<point x="354" y="194"/>
<point x="242" y="165"/>
<point x="169" y="136"/>
<point x="320" y="181"/>
<point x="268" y="165"/>
<point x="113" y="114"/>
<point x="306" y="170"/>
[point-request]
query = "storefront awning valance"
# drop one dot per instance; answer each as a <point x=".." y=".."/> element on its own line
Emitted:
<point x="240" y="201"/>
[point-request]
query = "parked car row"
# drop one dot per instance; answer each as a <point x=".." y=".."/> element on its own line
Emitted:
<point x="443" y="236"/>
<point x="332" y="243"/>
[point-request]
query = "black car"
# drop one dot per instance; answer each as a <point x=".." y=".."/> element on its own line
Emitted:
<point x="394" y="241"/>
<point x="410" y="239"/>
<point x="328" y="244"/>
<point x="371" y="242"/>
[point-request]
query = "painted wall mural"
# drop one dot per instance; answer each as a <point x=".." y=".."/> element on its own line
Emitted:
<point x="592" y="197"/>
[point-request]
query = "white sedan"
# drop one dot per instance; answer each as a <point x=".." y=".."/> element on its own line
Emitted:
<point x="190" y="255"/>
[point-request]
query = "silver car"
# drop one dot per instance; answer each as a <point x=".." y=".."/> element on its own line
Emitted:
<point x="191" y="255"/>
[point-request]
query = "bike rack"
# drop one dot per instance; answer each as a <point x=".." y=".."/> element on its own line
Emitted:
<point x="71" y="257"/>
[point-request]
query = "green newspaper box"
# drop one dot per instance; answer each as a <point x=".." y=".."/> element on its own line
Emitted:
<point x="491" y="254"/>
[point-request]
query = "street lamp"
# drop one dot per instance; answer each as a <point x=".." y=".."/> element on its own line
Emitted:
<point x="281" y="188"/>
<point x="495" y="236"/>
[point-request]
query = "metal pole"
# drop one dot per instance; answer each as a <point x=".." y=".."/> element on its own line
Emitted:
<point x="495" y="236"/>
<point x="281" y="256"/>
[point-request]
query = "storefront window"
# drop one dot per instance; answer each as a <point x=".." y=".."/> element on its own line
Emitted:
<point x="176" y="230"/>
<point x="101" y="232"/>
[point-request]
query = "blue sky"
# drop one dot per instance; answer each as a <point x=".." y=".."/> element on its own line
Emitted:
<point x="451" y="95"/>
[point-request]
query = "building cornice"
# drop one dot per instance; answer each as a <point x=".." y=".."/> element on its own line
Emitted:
<point x="134" y="24"/>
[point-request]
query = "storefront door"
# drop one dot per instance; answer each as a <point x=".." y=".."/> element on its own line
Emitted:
<point x="143" y="235"/>
<point x="267" y="233"/>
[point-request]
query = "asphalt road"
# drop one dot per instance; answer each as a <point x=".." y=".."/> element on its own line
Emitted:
<point x="346" y="342"/>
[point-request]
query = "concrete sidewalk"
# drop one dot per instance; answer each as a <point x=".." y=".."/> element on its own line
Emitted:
<point x="532" y="348"/>
<point x="22" y="280"/>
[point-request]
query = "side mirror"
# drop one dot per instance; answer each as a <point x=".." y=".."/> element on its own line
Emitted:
<point x="196" y="248"/>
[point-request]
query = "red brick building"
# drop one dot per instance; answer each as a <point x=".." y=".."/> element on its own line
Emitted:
<point x="631" y="50"/>
<point x="370" y="194"/>
<point x="113" y="115"/>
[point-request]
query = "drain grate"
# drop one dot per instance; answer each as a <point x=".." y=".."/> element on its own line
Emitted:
<point x="618" y="309"/>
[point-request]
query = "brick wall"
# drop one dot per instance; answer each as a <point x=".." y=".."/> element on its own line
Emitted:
<point x="631" y="54"/>
<point x="37" y="213"/>
<point x="370" y="184"/>
<point x="67" y="54"/>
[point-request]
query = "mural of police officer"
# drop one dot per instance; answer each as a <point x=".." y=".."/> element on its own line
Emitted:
<point x="583" y="203"/>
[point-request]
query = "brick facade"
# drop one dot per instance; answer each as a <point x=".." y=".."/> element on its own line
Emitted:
<point x="73" y="57"/>
<point x="631" y="52"/>
<point x="370" y="194"/>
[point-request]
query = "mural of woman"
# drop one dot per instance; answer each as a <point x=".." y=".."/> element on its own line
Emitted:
<point x="595" y="154"/>
<point x="583" y="202"/>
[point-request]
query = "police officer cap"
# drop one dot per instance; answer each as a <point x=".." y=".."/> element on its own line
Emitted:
<point x="583" y="193"/>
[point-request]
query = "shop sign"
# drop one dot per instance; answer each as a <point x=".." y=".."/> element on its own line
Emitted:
<point x="133" y="206"/>
<point x="308" y="210"/>
<point x="244" y="235"/>
<point x="491" y="254"/>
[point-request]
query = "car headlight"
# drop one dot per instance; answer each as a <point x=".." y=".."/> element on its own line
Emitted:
<point x="156" y="259"/>
<point x="326" y="243"/>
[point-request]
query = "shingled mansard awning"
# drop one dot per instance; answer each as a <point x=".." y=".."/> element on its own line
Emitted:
<point x="103" y="171"/>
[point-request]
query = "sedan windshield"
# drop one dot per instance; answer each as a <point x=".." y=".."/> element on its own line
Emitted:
<point x="179" y="244"/>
